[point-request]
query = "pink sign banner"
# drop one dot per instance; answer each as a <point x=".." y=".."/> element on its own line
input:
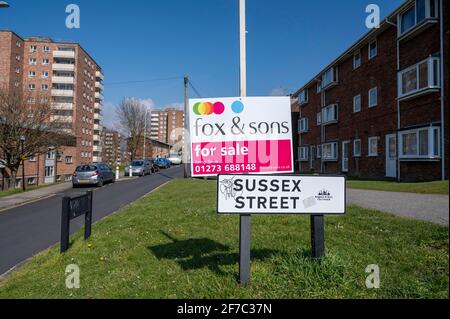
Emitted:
<point x="241" y="136"/>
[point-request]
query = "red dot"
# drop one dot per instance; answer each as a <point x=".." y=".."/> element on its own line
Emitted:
<point x="219" y="108"/>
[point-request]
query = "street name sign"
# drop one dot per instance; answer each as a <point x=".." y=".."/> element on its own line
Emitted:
<point x="243" y="135"/>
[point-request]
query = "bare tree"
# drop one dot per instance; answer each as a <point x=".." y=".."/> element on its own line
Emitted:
<point x="132" y="117"/>
<point x="26" y="117"/>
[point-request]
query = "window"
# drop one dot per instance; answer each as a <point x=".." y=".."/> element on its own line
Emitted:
<point x="49" y="171"/>
<point x="357" y="104"/>
<point x="373" y="49"/>
<point x="18" y="70"/>
<point x="319" y="151"/>
<point x="419" y="77"/>
<point x="32" y="86"/>
<point x="33" y="48"/>
<point x="419" y="12"/>
<point x="330" y="114"/>
<point x="357" y="60"/>
<point x="31" y="180"/>
<point x="303" y="125"/>
<point x="329" y="77"/>
<point x="319" y="118"/>
<point x="45" y="61"/>
<point x="420" y="143"/>
<point x="18" y="57"/>
<point x="357" y="148"/>
<point x="33" y="61"/>
<point x="319" y="87"/>
<point x="44" y="74"/>
<point x="32" y="74"/>
<point x="69" y="159"/>
<point x="373" y="97"/>
<point x="32" y="158"/>
<point x="18" y="44"/>
<point x="46" y="49"/>
<point x="373" y="146"/>
<point x="330" y="151"/>
<point x="303" y="97"/>
<point x="44" y="87"/>
<point x="303" y="153"/>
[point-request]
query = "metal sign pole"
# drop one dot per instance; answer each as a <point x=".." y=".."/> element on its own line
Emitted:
<point x="245" y="220"/>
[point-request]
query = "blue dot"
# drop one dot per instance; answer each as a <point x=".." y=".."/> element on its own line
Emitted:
<point x="237" y="107"/>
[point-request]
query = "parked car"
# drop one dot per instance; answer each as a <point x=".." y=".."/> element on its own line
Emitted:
<point x="93" y="174"/>
<point x="175" y="159"/>
<point x="163" y="163"/>
<point x="140" y="168"/>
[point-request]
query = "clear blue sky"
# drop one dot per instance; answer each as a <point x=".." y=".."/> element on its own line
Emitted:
<point x="289" y="41"/>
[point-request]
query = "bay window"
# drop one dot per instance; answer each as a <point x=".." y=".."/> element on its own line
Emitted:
<point x="419" y="77"/>
<point x="356" y="148"/>
<point x="329" y="77"/>
<point x="303" y="153"/>
<point x="330" y="114"/>
<point x="373" y="146"/>
<point x="423" y="143"/>
<point x="330" y="151"/>
<point x="303" y="125"/>
<point x="319" y="151"/>
<point x="421" y="11"/>
<point x="303" y="97"/>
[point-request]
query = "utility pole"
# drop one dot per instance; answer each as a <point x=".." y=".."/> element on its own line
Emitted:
<point x="186" y="128"/>
<point x="145" y="133"/>
<point x="245" y="220"/>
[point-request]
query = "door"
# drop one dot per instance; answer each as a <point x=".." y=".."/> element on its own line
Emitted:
<point x="391" y="155"/>
<point x="345" y="156"/>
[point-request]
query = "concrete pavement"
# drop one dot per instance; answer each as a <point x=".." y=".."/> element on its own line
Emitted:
<point x="426" y="207"/>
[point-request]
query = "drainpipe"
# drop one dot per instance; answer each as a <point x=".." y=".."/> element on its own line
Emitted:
<point x="398" y="114"/>
<point x="299" y="136"/>
<point x="442" y="92"/>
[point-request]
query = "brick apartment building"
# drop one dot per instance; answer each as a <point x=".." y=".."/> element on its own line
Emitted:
<point x="380" y="110"/>
<point x="153" y="149"/>
<point x="112" y="147"/>
<point x="167" y="126"/>
<point x="72" y="80"/>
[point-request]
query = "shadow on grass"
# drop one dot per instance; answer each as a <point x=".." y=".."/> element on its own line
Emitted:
<point x="203" y="253"/>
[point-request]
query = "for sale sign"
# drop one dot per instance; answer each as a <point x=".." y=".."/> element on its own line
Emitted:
<point x="257" y="194"/>
<point x="251" y="135"/>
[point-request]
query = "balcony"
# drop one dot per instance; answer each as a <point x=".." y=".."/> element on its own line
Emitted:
<point x="62" y="93"/>
<point x="97" y="138"/>
<point x="96" y="159"/>
<point x="64" y="54"/>
<point x="63" y="79"/>
<point x="61" y="119"/>
<point x="98" y="116"/>
<point x="63" y="106"/>
<point x="99" y="85"/>
<point x="98" y="105"/>
<point x="63" y="67"/>
<point x="99" y="75"/>
<point x="97" y="127"/>
<point x="97" y="148"/>
<point x="99" y="96"/>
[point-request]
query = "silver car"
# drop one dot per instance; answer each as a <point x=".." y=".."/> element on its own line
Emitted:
<point x="139" y="168"/>
<point x="93" y="174"/>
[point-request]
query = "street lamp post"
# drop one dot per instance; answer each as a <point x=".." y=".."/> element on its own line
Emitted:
<point x="22" y="141"/>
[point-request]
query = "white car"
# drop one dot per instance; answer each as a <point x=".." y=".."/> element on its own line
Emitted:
<point x="175" y="160"/>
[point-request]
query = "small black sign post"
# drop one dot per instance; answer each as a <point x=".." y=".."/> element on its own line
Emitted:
<point x="71" y="209"/>
<point x="317" y="236"/>
<point x="244" y="249"/>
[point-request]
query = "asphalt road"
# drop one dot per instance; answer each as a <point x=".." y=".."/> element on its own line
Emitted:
<point x="30" y="229"/>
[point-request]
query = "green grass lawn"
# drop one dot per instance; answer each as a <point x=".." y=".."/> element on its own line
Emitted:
<point x="172" y="244"/>
<point x="438" y="187"/>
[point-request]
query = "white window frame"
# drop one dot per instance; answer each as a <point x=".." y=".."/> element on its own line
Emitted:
<point x="319" y="118"/>
<point x="303" y="153"/>
<point x="355" y="110"/>
<point x="373" y="103"/>
<point x="432" y="143"/>
<point x="355" y="66"/>
<point x="303" y="125"/>
<point x="357" y="154"/>
<point x="45" y="74"/>
<point x="335" y="118"/>
<point x="303" y="97"/>
<point x="45" y="61"/>
<point x="369" y="151"/>
<point x="334" y="151"/>
<point x="334" y="74"/>
<point x="46" y="49"/>
<point x="428" y="16"/>
<point x="376" y="49"/>
<point x="32" y="87"/>
<point x="33" y="48"/>
<point x="319" y="151"/>
<point x="430" y="79"/>
<point x="32" y="61"/>
<point x="32" y="74"/>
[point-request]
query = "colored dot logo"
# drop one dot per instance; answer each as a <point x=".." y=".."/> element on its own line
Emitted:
<point x="218" y="108"/>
